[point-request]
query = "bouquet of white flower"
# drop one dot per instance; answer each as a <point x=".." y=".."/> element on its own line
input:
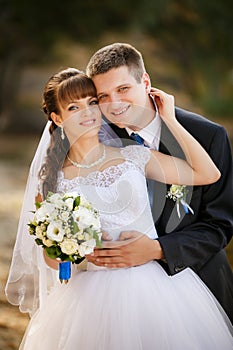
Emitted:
<point x="67" y="226"/>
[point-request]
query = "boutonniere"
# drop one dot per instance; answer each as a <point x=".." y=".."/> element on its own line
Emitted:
<point x="178" y="194"/>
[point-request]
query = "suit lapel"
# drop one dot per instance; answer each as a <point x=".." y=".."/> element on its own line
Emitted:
<point x="168" y="143"/>
<point x="164" y="210"/>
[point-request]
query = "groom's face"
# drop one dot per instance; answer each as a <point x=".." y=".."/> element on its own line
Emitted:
<point x="122" y="99"/>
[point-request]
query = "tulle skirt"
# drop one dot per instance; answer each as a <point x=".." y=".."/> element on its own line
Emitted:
<point x="139" y="308"/>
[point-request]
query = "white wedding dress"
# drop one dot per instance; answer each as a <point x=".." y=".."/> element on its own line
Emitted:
<point x="138" y="308"/>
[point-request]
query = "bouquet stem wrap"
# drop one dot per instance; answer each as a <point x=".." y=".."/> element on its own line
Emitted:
<point x="64" y="271"/>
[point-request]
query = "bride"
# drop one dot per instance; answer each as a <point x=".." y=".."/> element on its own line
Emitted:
<point x="102" y="308"/>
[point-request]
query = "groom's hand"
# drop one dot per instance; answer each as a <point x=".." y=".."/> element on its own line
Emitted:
<point x="132" y="249"/>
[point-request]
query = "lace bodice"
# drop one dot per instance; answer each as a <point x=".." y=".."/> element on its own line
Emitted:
<point x="119" y="193"/>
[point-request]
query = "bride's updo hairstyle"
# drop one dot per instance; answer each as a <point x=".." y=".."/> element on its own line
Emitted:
<point x="67" y="85"/>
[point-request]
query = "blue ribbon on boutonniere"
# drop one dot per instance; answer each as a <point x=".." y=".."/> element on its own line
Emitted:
<point x="178" y="194"/>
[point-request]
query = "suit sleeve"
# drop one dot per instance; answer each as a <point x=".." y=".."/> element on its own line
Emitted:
<point x="193" y="245"/>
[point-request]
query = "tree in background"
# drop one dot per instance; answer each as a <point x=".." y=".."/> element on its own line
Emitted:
<point x="194" y="37"/>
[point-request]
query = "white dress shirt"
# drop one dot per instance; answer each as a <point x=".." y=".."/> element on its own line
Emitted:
<point x="151" y="136"/>
<point x="151" y="133"/>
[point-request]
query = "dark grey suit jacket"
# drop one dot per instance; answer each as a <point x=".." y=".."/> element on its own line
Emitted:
<point x="198" y="241"/>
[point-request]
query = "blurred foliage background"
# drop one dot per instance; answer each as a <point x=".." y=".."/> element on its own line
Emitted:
<point x="187" y="47"/>
<point x="188" y="51"/>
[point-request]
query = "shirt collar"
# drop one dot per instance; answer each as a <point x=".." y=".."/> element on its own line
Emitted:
<point x="151" y="131"/>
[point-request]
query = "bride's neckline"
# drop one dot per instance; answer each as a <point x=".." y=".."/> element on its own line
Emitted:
<point x="133" y="157"/>
<point x="94" y="172"/>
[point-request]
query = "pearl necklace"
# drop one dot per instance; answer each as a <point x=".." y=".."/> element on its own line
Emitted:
<point x="98" y="161"/>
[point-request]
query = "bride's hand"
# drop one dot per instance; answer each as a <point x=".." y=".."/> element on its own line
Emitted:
<point x="165" y="104"/>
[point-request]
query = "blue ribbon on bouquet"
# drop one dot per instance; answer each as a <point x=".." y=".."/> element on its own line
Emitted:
<point x="64" y="271"/>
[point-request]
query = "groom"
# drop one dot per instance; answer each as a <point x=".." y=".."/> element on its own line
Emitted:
<point x="194" y="239"/>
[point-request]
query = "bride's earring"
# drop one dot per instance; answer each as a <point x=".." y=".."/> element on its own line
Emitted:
<point x="62" y="133"/>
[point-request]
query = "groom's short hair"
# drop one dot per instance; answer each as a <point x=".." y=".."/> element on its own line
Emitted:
<point x="114" y="56"/>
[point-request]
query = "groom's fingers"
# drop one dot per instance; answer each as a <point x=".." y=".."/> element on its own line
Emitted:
<point x="119" y="254"/>
<point x="108" y="252"/>
<point x="112" y="258"/>
<point x="110" y="261"/>
<point x="104" y="253"/>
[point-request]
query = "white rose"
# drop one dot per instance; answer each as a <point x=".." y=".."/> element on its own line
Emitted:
<point x="67" y="230"/>
<point x="69" y="203"/>
<point x="73" y="194"/>
<point x="87" y="236"/>
<point x="56" y="200"/>
<point x="43" y="212"/>
<point x="87" y="247"/>
<point x="54" y="215"/>
<point x="55" y="232"/>
<point x="96" y="223"/>
<point x="65" y="215"/>
<point x="85" y="218"/>
<point x="39" y="232"/>
<point x="80" y="236"/>
<point x="84" y="202"/>
<point x="43" y="227"/>
<point x="47" y="242"/>
<point x="69" y="246"/>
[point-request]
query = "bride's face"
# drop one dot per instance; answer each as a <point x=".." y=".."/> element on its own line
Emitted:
<point x="80" y="118"/>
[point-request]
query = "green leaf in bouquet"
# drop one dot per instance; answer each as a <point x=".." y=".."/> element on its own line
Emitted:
<point x="65" y="257"/>
<point x="78" y="260"/>
<point x="38" y="205"/>
<point x="97" y="239"/>
<point x="77" y="201"/>
<point x="32" y="228"/>
<point x="75" y="227"/>
<point x="38" y="241"/>
<point x="53" y="252"/>
<point x="89" y="230"/>
<point x="71" y="258"/>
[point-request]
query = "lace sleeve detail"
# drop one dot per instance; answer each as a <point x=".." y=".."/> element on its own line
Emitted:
<point x="139" y="155"/>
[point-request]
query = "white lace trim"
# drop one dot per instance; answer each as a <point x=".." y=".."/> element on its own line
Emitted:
<point x="137" y="154"/>
<point x="136" y="158"/>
